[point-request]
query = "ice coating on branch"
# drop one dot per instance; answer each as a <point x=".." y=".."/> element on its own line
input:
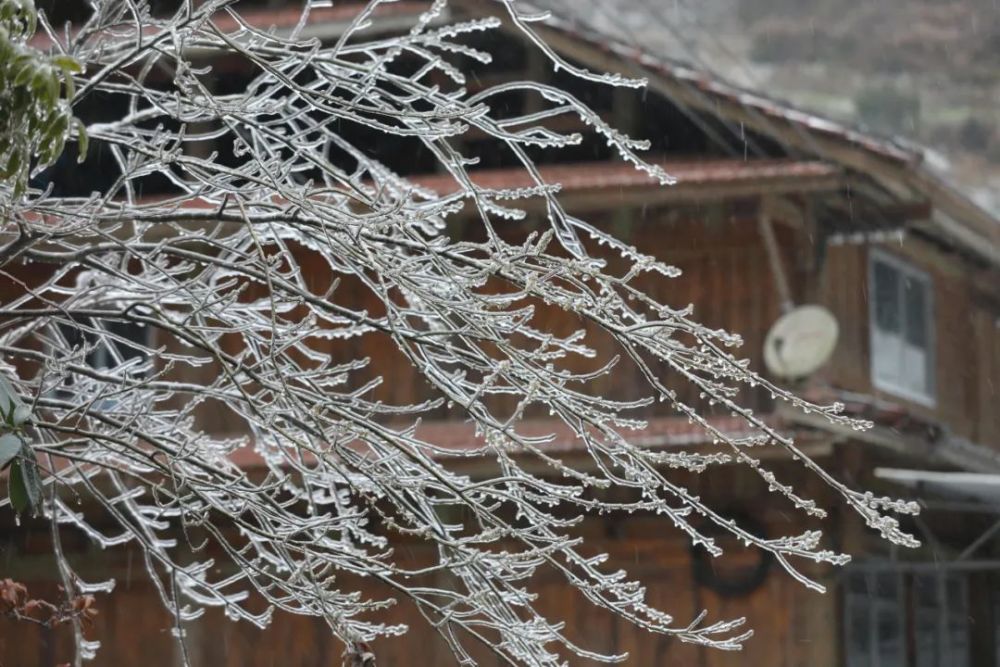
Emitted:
<point x="235" y="324"/>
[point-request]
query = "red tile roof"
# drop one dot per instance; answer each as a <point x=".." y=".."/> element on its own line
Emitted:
<point x="621" y="175"/>
<point x="605" y="176"/>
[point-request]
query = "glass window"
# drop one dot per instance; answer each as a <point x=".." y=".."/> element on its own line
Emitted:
<point x="915" y="306"/>
<point x="879" y="613"/>
<point x="110" y="345"/>
<point x="882" y="606"/>
<point x="901" y="331"/>
<point x="891" y="652"/>
<point x="886" y="290"/>
<point x="123" y="341"/>
<point x="859" y="636"/>
<point x="927" y="622"/>
<point x="957" y="623"/>
<point x="874" y="629"/>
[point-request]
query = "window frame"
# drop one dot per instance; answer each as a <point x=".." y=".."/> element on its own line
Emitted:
<point x="906" y="271"/>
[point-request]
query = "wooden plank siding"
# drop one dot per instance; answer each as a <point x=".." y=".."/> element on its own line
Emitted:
<point x="966" y="312"/>
<point x="791" y="623"/>
<point x="791" y="626"/>
<point x="727" y="276"/>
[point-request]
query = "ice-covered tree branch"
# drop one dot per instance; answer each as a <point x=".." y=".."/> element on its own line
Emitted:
<point x="239" y="292"/>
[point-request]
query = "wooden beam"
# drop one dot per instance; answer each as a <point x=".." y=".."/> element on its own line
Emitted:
<point x="696" y="192"/>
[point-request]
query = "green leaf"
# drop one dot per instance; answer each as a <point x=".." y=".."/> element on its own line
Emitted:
<point x="13" y="165"/>
<point x="54" y="85"/>
<point x="82" y="139"/>
<point x="32" y="481"/>
<point x="67" y="63"/>
<point x="40" y="86"/>
<point x="16" y="490"/>
<point x="56" y="131"/>
<point x="21" y="414"/>
<point x="24" y="486"/>
<point x="70" y="86"/>
<point x="28" y="7"/>
<point x="7" y="392"/>
<point x="10" y="445"/>
<point x="12" y="408"/>
<point x="25" y="73"/>
<point x="6" y="48"/>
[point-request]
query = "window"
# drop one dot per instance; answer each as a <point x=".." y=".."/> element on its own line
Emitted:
<point x="902" y="341"/>
<point x="941" y="620"/>
<point x="882" y="607"/>
<point x="118" y="347"/>
<point x="874" y="623"/>
<point x="110" y="345"/>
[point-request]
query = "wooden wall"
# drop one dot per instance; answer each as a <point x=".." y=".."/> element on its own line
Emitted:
<point x="966" y="305"/>
<point x="728" y="278"/>
<point x="792" y="625"/>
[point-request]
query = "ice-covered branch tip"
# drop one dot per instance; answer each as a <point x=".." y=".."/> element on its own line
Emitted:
<point x="169" y="347"/>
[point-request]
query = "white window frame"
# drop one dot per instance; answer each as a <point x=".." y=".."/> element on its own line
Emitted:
<point x="906" y="271"/>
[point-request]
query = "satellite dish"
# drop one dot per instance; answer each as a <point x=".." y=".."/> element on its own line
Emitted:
<point x="800" y="342"/>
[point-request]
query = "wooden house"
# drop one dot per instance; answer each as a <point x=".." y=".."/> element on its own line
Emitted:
<point x="773" y="208"/>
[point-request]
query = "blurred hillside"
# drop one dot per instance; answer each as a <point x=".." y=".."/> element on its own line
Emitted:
<point x="925" y="70"/>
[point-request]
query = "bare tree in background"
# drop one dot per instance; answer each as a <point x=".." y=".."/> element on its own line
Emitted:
<point x="214" y="271"/>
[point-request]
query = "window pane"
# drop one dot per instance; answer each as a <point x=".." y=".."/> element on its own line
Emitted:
<point x="887" y="586"/>
<point x="890" y="638"/>
<point x="996" y="617"/>
<point x="955" y="585"/>
<point x="858" y="632"/>
<point x="886" y="295"/>
<point x="133" y="332"/>
<point x="925" y="590"/>
<point x="901" y="335"/>
<point x="914" y="372"/>
<point x="102" y="356"/>
<point x="887" y="356"/>
<point x="915" y="299"/>
<point x="70" y="336"/>
<point x="928" y="647"/>
<point x="927" y="622"/>
<point x="958" y="621"/>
